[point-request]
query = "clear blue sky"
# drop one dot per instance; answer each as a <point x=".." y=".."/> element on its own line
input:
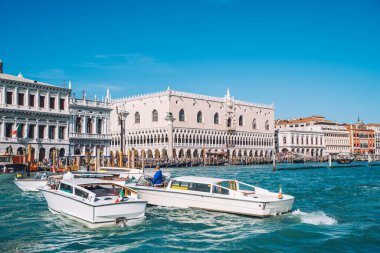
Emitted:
<point x="309" y="57"/>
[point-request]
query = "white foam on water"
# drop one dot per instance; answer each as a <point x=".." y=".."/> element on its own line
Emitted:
<point x="315" y="218"/>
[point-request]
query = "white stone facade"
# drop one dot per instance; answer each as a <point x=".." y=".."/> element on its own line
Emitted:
<point x="89" y="127"/>
<point x="306" y="141"/>
<point x="376" y="128"/>
<point x="46" y="116"/>
<point x="337" y="139"/>
<point x="40" y="110"/>
<point x="221" y="125"/>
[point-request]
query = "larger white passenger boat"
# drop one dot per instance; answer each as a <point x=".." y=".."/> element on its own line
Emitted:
<point x="94" y="202"/>
<point x="213" y="194"/>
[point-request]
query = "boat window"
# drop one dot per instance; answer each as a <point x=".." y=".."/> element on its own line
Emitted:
<point x="219" y="190"/>
<point x="244" y="187"/>
<point x="104" y="190"/>
<point x="81" y="193"/>
<point x="66" y="188"/>
<point x="200" y="187"/>
<point x="180" y="185"/>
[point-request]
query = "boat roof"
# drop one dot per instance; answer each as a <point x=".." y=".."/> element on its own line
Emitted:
<point x="208" y="180"/>
<point x="80" y="181"/>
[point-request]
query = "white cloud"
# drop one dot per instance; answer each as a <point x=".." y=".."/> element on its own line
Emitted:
<point x="132" y="62"/>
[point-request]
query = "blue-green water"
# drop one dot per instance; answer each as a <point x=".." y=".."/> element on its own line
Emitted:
<point x="336" y="210"/>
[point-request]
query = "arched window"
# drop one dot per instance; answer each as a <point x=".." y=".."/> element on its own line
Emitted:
<point x="137" y="117"/>
<point x="229" y="122"/>
<point x="181" y="115"/>
<point x="216" y="118"/>
<point x="199" y="117"/>
<point x="154" y="116"/>
<point x="267" y="125"/>
<point x="254" y="125"/>
<point x="241" y="120"/>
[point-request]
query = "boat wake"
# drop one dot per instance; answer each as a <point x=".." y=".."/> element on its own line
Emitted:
<point x="315" y="218"/>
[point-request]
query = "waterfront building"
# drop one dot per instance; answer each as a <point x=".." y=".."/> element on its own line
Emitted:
<point x="173" y="124"/>
<point x="89" y="126"/>
<point x="50" y="119"/>
<point x="376" y="129"/>
<point x="335" y="137"/>
<point x="299" y="137"/>
<point x="362" y="139"/>
<point x="33" y="113"/>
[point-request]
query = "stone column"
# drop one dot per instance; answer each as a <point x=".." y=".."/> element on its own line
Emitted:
<point x="57" y="131"/>
<point x="47" y="130"/>
<point x="94" y="125"/>
<point x="37" y="99"/>
<point x="27" y="97"/>
<point x="15" y="95"/>
<point x="4" y="97"/>
<point x="57" y="102"/>
<point x="48" y="100"/>
<point x="84" y="124"/>
<point x="36" y="131"/>
<point x="170" y="137"/>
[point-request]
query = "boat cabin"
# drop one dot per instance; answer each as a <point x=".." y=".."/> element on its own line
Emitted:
<point x="92" y="191"/>
<point x="207" y="185"/>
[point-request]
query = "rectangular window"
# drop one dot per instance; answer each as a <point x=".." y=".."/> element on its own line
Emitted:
<point x="61" y="133"/>
<point x="62" y="104"/>
<point x="31" y="131"/>
<point x="219" y="190"/>
<point x="178" y="185"/>
<point x="51" y="132"/>
<point x="41" y="132"/>
<point x="42" y="101"/>
<point x="99" y="127"/>
<point x="8" y="129"/>
<point x="200" y="187"/>
<point x="31" y="100"/>
<point x="52" y="103"/>
<point x="9" y="98"/>
<point x="66" y="188"/>
<point x="284" y="140"/>
<point x="81" y="193"/>
<point x="21" y="97"/>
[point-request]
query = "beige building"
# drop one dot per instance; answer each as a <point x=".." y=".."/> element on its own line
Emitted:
<point x="321" y="137"/>
<point x="376" y="128"/>
<point x="177" y="124"/>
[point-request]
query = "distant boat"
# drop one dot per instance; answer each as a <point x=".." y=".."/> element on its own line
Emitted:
<point x="344" y="161"/>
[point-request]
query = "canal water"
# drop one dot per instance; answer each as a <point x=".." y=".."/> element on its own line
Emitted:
<point x="336" y="210"/>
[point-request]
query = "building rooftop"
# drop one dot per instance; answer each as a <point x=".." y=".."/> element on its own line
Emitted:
<point x="21" y="78"/>
<point x="192" y="95"/>
<point x="314" y="119"/>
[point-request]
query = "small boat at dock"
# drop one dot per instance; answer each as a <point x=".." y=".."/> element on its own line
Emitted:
<point x="213" y="194"/>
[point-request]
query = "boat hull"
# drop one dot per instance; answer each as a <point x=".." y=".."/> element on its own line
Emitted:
<point x="94" y="215"/>
<point x="215" y="202"/>
<point x="30" y="185"/>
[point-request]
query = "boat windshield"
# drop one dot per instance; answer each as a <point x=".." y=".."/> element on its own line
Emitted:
<point x="104" y="190"/>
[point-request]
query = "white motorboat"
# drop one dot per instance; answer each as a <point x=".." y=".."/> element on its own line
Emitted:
<point x="213" y="194"/>
<point x="94" y="202"/>
<point x="126" y="173"/>
<point x="31" y="184"/>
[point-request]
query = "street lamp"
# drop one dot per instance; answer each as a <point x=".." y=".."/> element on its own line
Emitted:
<point x="122" y="114"/>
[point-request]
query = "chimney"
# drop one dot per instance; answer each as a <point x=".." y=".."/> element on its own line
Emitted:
<point x="1" y="66"/>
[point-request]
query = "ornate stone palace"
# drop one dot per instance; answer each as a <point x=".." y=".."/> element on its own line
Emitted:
<point x="173" y="124"/>
<point x="49" y="119"/>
